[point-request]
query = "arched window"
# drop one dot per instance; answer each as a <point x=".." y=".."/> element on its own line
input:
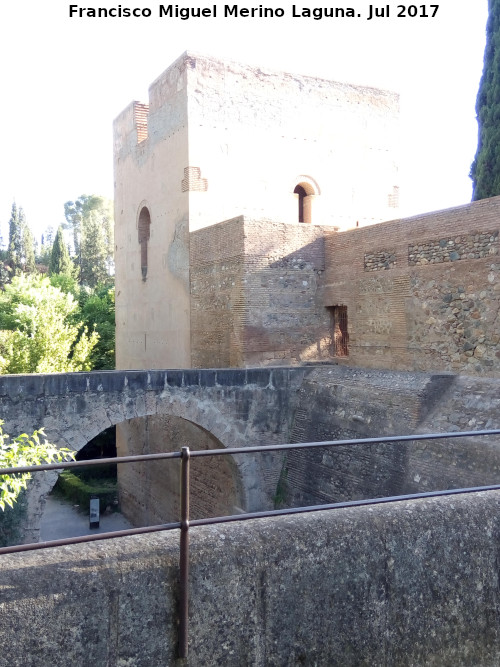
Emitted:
<point x="299" y="190"/>
<point x="305" y="195"/>
<point x="144" y="232"/>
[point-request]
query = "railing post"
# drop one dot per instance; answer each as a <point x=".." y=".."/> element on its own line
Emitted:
<point x="184" y="556"/>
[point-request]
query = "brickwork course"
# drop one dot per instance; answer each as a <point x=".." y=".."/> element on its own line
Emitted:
<point x="256" y="295"/>
<point x="422" y="293"/>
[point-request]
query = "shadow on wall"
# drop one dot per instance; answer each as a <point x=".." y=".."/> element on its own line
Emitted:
<point x="257" y="296"/>
<point x="149" y="491"/>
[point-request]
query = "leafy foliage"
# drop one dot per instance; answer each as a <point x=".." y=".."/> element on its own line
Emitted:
<point x="38" y="333"/>
<point x="25" y="450"/>
<point x="485" y="170"/>
<point x="65" y="322"/>
<point x="68" y="285"/>
<point x="97" y="311"/>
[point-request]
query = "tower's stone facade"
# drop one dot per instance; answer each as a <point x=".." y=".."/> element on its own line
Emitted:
<point x="220" y="140"/>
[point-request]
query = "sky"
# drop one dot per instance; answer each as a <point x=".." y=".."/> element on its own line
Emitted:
<point x="64" y="79"/>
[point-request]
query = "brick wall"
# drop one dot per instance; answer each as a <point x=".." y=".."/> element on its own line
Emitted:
<point x="149" y="492"/>
<point x="422" y="293"/>
<point x="256" y="294"/>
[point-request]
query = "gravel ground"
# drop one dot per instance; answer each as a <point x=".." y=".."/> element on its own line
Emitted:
<point x="62" y="519"/>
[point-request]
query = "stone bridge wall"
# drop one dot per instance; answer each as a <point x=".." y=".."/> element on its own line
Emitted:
<point x="237" y="407"/>
<point x="340" y="402"/>
<point x="413" y="583"/>
<point x="244" y="407"/>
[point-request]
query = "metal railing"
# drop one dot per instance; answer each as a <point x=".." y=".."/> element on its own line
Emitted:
<point x="185" y="523"/>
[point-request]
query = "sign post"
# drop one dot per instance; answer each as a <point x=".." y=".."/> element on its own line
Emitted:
<point x="94" y="513"/>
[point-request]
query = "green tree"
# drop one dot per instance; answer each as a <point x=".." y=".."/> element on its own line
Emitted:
<point x="94" y="251"/>
<point x="90" y="218"/>
<point x="38" y="331"/>
<point x="25" y="450"/>
<point x="21" y="250"/>
<point x="485" y="170"/>
<point x="60" y="261"/>
<point x="15" y="247"/>
<point x="28" y="250"/>
<point x="46" y="246"/>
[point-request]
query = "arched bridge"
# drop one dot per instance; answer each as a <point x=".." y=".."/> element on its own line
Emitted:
<point x="237" y="406"/>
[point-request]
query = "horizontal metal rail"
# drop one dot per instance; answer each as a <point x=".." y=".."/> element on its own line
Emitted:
<point x="64" y="465"/>
<point x="176" y="525"/>
<point x="35" y="546"/>
<point x="395" y="439"/>
<point x="185" y="524"/>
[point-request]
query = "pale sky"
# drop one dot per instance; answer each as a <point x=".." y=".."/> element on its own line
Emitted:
<point x="64" y="80"/>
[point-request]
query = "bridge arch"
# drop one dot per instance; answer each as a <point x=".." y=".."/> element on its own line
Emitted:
<point x="149" y="491"/>
<point x="238" y="407"/>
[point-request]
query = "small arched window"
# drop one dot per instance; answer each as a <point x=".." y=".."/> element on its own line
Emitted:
<point x="305" y="195"/>
<point x="299" y="190"/>
<point x="144" y="233"/>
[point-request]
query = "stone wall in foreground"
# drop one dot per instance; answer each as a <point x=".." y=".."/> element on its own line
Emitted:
<point x="413" y="583"/>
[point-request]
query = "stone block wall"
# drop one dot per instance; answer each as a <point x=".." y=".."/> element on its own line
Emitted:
<point x="413" y="583"/>
<point x="256" y="134"/>
<point x="256" y="294"/>
<point x="338" y="403"/>
<point x="422" y="293"/>
<point x="217" y="295"/>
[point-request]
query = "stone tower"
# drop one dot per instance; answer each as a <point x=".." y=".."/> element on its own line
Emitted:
<point x="219" y="140"/>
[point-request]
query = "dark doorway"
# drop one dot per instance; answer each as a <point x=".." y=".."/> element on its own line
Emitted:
<point x="340" y="335"/>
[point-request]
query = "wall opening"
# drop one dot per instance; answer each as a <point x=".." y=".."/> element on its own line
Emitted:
<point x="66" y="507"/>
<point x="80" y="484"/>
<point x="340" y="334"/>
<point x="305" y="194"/>
<point x="299" y="190"/>
<point x="149" y="491"/>
<point x="103" y="446"/>
<point x="143" y="237"/>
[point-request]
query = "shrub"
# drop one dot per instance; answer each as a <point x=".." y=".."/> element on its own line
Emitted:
<point x="81" y="491"/>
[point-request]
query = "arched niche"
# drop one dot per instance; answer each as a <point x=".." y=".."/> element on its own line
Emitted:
<point x="144" y="233"/>
<point x="305" y="191"/>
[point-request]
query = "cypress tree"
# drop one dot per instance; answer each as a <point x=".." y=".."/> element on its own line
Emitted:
<point x="15" y="249"/>
<point x="29" y="263"/>
<point x="485" y="170"/>
<point x="60" y="261"/>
